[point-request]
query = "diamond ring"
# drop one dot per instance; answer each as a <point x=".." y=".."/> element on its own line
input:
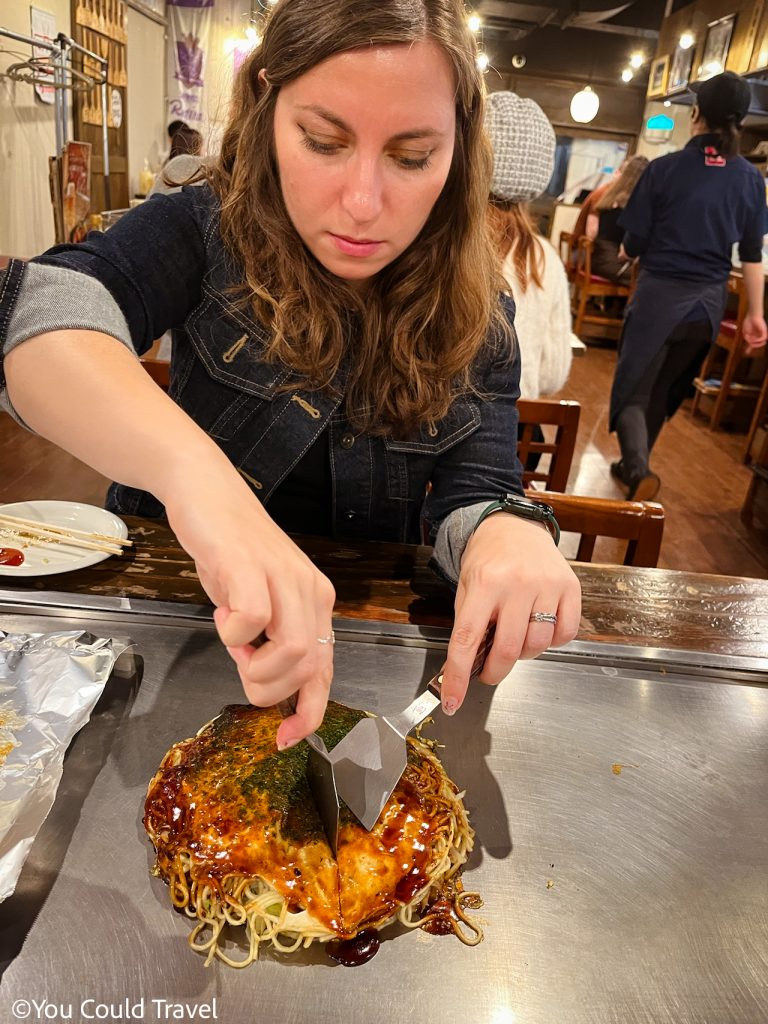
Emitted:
<point x="330" y="639"/>
<point x="544" y="617"/>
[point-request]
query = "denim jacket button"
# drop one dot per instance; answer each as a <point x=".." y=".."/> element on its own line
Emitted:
<point x="347" y="440"/>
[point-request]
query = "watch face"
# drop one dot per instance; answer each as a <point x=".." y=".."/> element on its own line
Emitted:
<point x="514" y="501"/>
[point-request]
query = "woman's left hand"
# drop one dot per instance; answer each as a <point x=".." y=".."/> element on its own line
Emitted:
<point x="511" y="568"/>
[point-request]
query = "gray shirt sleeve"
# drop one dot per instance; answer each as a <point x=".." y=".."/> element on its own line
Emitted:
<point x="453" y="536"/>
<point x="59" y="299"/>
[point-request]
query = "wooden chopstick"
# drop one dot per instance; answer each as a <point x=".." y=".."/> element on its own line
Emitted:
<point x="26" y="537"/>
<point x="50" y="542"/>
<point x="69" y="534"/>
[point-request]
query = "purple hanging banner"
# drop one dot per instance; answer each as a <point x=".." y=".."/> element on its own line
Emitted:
<point x="189" y="26"/>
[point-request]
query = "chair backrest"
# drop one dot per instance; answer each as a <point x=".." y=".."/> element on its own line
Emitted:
<point x="158" y="370"/>
<point x="566" y="245"/>
<point x="584" y="247"/>
<point x="547" y="412"/>
<point x="640" y="523"/>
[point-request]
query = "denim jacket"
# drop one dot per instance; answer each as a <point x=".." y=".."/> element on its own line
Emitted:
<point x="166" y="267"/>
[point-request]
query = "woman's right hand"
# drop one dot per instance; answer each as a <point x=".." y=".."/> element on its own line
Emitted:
<point x="262" y="585"/>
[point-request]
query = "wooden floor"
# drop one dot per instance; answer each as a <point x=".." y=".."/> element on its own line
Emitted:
<point x="703" y="477"/>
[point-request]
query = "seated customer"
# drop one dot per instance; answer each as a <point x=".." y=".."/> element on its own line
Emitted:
<point x="523" y="143"/>
<point x="183" y="164"/>
<point x="603" y="223"/>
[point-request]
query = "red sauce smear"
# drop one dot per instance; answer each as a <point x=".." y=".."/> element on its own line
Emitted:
<point x="356" y="951"/>
<point x="10" y="556"/>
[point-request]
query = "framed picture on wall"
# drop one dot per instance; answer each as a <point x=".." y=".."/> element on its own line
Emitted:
<point x="657" y="79"/>
<point x="680" y="71"/>
<point x="716" y="47"/>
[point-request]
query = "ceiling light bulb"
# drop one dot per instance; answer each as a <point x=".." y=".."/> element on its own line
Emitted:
<point x="474" y="23"/>
<point x="627" y="75"/>
<point x="637" y="60"/>
<point x="686" y="41"/>
<point x="584" y="105"/>
<point x="483" y="60"/>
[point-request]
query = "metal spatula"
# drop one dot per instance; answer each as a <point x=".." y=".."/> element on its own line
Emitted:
<point x="368" y="762"/>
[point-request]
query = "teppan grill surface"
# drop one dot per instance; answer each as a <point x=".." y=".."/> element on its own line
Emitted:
<point x="618" y="796"/>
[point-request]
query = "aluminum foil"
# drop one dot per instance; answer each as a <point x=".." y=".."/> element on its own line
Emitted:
<point x="49" y="685"/>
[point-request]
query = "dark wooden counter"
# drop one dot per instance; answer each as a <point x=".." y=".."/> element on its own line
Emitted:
<point x="391" y="582"/>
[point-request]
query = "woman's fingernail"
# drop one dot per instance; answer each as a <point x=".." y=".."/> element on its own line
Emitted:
<point x="450" y="704"/>
<point x="287" y="744"/>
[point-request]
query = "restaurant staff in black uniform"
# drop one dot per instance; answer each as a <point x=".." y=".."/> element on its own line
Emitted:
<point x="682" y="220"/>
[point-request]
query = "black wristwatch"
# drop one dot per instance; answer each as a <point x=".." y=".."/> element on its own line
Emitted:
<point x="526" y="508"/>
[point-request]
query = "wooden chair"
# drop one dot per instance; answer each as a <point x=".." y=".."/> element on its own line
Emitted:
<point x="730" y="342"/>
<point x="158" y="369"/>
<point x="567" y="250"/>
<point x="591" y="286"/>
<point x="640" y="523"/>
<point x="546" y="412"/>
<point x="759" y="467"/>
<point x="759" y="419"/>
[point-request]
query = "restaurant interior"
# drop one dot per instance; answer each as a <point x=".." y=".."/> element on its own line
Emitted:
<point x="665" y="682"/>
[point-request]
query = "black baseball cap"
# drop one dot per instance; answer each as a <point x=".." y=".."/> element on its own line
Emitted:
<point x="722" y="98"/>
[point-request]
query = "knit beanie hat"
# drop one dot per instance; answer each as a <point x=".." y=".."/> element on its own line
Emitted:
<point x="523" y="142"/>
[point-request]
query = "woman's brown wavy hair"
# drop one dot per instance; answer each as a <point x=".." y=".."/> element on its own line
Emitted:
<point x="427" y="315"/>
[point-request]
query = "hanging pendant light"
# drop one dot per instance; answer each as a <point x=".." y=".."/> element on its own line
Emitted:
<point x="584" y="105"/>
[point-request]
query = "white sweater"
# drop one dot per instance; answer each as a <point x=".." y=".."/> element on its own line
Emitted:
<point x="543" y="326"/>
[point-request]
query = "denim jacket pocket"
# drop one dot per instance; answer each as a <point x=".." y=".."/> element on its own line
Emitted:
<point x="230" y="345"/>
<point x="410" y="460"/>
<point x="223" y="382"/>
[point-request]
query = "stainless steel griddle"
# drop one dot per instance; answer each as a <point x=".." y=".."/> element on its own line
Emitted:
<point x="620" y="800"/>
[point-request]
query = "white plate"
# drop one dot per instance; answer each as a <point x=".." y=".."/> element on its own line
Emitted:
<point x="45" y="561"/>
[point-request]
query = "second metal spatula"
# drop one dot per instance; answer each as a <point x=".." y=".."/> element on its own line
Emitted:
<point x="369" y="761"/>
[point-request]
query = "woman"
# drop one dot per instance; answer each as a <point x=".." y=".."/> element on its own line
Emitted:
<point x="183" y="162"/>
<point x="603" y="224"/>
<point x="339" y="345"/>
<point x="523" y="143"/>
<point x="682" y="220"/>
